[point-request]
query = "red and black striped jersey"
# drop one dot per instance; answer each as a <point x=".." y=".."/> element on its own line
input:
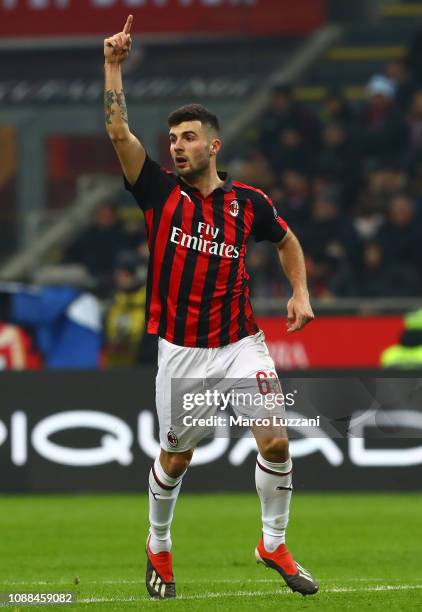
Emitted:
<point x="197" y="287"/>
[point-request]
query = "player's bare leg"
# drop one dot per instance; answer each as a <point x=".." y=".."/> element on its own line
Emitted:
<point x="165" y="481"/>
<point x="273" y="477"/>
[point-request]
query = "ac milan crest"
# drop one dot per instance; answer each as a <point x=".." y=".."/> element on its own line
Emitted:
<point x="234" y="208"/>
<point x="172" y="438"/>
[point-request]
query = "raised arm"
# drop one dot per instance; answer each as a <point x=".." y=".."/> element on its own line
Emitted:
<point x="129" y="150"/>
<point x="299" y="311"/>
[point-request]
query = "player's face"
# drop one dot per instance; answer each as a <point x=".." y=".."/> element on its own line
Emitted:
<point x="191" y="148"/>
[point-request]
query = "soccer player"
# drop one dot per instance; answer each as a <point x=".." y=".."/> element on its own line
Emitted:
<point x="198" y="222"/>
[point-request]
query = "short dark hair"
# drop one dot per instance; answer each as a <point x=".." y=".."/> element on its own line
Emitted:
<point x="193" y="112"/>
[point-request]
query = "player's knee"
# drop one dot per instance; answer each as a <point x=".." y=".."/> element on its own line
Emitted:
<point x="275" y="449"/>
<point x="174" y="464"/>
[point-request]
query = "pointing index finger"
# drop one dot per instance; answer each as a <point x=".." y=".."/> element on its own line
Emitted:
<point x="128" y="24"/>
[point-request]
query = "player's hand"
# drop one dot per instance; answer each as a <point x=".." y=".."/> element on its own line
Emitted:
<point x="299" y="312"/>
<point x="117" y="47"/>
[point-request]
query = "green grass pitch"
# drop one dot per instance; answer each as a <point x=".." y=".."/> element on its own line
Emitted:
<point x="365" y="550"/>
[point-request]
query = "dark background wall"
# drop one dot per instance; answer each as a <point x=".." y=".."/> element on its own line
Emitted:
<point x="86" y="431"/>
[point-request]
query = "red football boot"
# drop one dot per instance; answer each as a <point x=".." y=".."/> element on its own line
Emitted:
<point x="294" y="575"/>
<point x="159" y="576"/>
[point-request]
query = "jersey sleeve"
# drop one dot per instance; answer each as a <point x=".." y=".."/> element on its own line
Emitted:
<point x="153" y="185"/>
<point x="267" y="225"/>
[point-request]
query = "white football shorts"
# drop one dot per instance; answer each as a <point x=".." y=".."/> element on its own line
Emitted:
<point x="241" y="373"/>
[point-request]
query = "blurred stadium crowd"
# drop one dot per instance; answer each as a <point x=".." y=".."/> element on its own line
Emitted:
<point x="348" y="180"/>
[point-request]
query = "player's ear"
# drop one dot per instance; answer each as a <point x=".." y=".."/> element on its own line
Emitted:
<point x="215" y="146"/>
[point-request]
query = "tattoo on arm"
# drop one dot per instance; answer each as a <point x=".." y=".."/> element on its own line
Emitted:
<point x="120" y="99"/>
<point x="108" y="103"/>
<point x="110" y="97"/>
